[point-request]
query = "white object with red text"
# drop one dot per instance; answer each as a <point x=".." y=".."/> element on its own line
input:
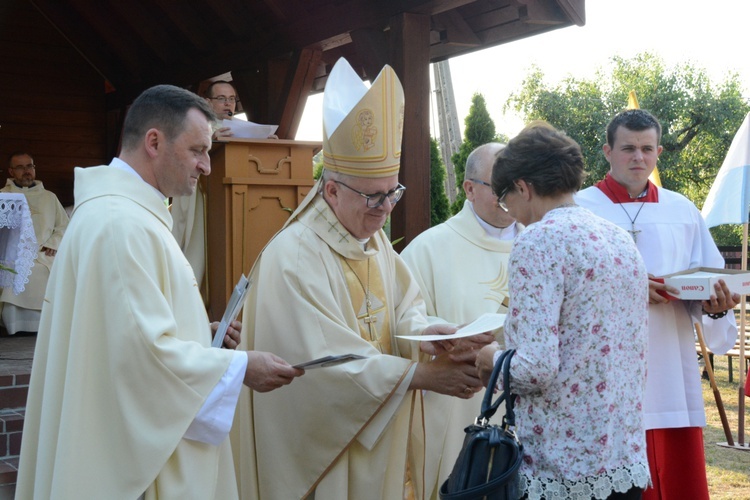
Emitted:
<point x="698" y="283"/>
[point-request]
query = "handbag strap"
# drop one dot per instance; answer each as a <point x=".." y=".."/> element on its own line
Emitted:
<point x="489" y="407"/>
<point x="509" y="420"/>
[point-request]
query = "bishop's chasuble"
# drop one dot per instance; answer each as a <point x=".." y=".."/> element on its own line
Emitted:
<point x="671" y="236"/>
<point x="342" y="431"/>
<point x="123" y="360"/>
<point x="462" y="273"/>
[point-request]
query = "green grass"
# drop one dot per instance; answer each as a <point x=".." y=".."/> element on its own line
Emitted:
<point x="728" y="469"/>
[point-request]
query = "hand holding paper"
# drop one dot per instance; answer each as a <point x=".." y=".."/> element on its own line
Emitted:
<point x="484" y="323"/>
<point x="463" y="343"/>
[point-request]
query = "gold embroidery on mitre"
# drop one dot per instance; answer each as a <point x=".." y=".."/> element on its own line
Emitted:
<point x="367" y="142"/>
<point x="364" y="133"/>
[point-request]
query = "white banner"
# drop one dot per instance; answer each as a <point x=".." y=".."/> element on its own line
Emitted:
<point x="729" y="198"/>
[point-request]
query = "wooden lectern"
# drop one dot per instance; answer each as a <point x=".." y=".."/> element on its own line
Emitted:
<point x="254" y="186"/>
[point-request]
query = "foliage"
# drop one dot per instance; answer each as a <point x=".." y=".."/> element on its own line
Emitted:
<point x="318" y="165"/>
<point x="478" y="129"/>
<point x="439" y="204"/>
<point x="699" y="118"/>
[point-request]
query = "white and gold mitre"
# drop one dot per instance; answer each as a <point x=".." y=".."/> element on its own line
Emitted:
<point x="362" y="127"/>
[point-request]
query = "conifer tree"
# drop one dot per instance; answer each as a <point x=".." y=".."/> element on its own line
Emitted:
<point x="439" y="204"/>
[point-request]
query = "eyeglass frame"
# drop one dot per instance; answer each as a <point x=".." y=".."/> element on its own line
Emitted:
<point x="481" y="182"/>
<point x="225" y="99"/>
<point x="398" y="191"/>
<point x="25" y="168"/>
<point x="501" y="199"/>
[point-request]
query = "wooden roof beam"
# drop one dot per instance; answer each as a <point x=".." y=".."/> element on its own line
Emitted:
<point x="454" y="30"/>
<point x="304" y="68"/>
<point x="541" y="12"/>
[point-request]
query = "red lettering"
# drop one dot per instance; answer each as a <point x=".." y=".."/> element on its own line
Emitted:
<point x="698" y="288"/>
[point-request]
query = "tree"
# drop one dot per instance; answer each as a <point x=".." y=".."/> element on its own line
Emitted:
<point x="478" y="129"/>
<point x="439" y="204"/>
<point x="699" y="118"/>
<point x="318" y="165"/>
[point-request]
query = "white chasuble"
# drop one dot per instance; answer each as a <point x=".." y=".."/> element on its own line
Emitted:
<point x="123" y="361"/>
<point x="671" y="237"/>
<point x="341" y="431"/>
<point x="462" y="273"/>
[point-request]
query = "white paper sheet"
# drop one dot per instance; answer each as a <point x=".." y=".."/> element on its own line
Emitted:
<point x="484" y="323"/>
<point x="249" y="130"/>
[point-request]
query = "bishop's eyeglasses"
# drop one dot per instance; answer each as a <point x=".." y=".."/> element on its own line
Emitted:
<point x="375" y="200"/>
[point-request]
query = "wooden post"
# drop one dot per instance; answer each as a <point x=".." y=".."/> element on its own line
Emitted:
<point x="714" y="387"/>
<point x="410" y="49"/>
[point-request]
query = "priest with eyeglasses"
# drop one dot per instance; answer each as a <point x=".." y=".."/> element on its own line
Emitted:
<point x="330" y="283"/>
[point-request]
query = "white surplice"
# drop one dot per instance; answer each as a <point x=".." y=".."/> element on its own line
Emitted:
<point x="671" y="237"/>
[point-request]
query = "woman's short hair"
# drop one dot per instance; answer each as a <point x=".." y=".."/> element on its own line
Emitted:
<point x="542" y="156"/>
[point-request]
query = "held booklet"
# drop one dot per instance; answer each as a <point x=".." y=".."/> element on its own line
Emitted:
<point x="327" y="361"/>
<point x="233" y="309"/>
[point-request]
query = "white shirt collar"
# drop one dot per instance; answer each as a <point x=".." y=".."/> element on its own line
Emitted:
<point x="500" y="233"/>
<point x="120" y="164"/>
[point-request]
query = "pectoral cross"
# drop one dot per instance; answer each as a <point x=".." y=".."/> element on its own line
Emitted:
<point x="370" y="319"/>
<point x="634" y="232"/>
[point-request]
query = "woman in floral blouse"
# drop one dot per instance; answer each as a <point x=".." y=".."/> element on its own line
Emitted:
<point x="577" y="319"/>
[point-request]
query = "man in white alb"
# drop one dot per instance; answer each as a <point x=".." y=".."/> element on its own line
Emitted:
<point x="21" y="312"/>
<point x="671" y="236"/>
<point x="127" y="397"/>
<point x="461" y="267"/>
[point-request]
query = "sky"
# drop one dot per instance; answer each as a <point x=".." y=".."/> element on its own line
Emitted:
<point x="709" y="34"/>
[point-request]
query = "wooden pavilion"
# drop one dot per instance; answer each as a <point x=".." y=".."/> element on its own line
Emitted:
<point x="69" y="68"/>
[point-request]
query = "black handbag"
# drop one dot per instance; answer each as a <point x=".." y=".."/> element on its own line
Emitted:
<point x="487" y="466"/>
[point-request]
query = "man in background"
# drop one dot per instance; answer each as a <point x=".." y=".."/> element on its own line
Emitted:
<point x="461" y="267"/>
<point x="671" y="237"/>
<point x="21" y="312"/>
<point x="222" y="96"/>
